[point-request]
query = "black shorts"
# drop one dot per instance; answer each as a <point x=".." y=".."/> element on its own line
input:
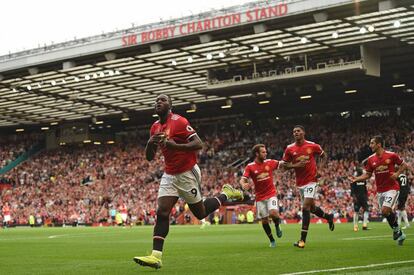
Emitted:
<point x="360" y="201"/>
<point x="402" y="199"/>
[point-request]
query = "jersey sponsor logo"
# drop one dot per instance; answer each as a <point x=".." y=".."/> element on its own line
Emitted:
<point x="381" y="168"/>
<point x="262" y="176"/>
<point x="300" y="158"/>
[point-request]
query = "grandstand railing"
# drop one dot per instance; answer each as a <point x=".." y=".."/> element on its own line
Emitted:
<point x="287" y="73"/>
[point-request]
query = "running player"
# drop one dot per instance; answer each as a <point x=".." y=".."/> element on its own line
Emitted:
<point x="382" y="164"/>
<point x="304" y="151"/>
<point x="6" y="214"/>
<point x="179" y="143"/>
<point x="261" y="172"/>
<point x="405" y="188"/>
<point x="359" y="195"/>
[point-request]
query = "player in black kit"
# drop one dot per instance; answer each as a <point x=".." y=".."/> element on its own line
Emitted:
<point x="405" y="187"/>
<point x="359" y="195"/>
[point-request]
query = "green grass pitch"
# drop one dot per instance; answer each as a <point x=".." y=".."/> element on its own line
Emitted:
<point x="222" y="249"/>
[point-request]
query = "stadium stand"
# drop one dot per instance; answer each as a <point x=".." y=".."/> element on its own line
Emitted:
<point x="82" y="183"/>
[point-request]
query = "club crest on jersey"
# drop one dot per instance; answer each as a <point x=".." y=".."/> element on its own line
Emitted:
<point x="267" y="168"/>
<point x="175" y="117"/>
<point x="309" y="151"/>
<point x="387" y="161"/>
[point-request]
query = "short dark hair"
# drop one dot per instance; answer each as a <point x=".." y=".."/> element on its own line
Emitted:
<point x="256" y="148"/>
<point x="168" y="97"/>
<point x="378" y="139"/>
<point x="299" y="126"/>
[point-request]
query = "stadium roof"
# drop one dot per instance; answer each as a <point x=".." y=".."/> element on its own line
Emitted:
<point x="121" y="73"/>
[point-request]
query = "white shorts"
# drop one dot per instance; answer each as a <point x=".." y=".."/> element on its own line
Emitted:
<point x="185" y="185"/>
<point x="263" y="207"/>
<point x="388" y="198"/>
<point x="7" y="218"/>
<point x="308" y="191"/>
<point x="124" y="216"/>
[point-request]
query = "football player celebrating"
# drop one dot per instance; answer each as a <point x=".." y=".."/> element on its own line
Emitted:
<point x="179" y="143"/>
<point x="261" y="172"/>
<point x="303" y="150"/>
<point x="382" y="164"/>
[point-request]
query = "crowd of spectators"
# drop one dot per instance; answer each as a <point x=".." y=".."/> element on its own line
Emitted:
<point x="85" y="183"/>
<point x="14" y="145"/>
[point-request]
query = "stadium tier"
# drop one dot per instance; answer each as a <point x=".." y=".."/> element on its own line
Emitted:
<point x="83" y="182"/>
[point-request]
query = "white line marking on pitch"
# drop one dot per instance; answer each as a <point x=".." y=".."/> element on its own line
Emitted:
<point x="56" y="236"/>
<point x="349" y="267"/>
<point x="369" y="237"/>
<point x="82" y="234"/>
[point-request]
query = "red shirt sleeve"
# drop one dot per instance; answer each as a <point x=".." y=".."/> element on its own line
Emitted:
<point x="275" y="164"/>
<point x="397" y="159"/>
<point x="246" y="173"/>
<point x="184" y="130"/>
<point x="368" y="167"/>
<point x="287" y="156"/>
<point x="317" y="149"/>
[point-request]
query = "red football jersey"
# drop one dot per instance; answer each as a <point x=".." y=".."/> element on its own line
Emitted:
<point x="123" y="209"/>
<point x="178" y="129"/>
<point x="383" y="167"/>
<point x="262" y="176"/>
<point x="307" y="151"/>
<point x="6" y="210"/>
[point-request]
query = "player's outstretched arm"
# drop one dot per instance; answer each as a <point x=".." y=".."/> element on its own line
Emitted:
<point x="400" y="170"/>
<point x="363" y="177"/>
<point x="289" y="165"/>
<point x="323" y="159"/>
<point x="194" y="144"/>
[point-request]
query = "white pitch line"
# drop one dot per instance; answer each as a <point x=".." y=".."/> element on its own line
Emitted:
<point x="349" y="267"/>
<point x="56" y="236"/>
<point x="369" y="237"/>
<point x="82" y="234"/>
